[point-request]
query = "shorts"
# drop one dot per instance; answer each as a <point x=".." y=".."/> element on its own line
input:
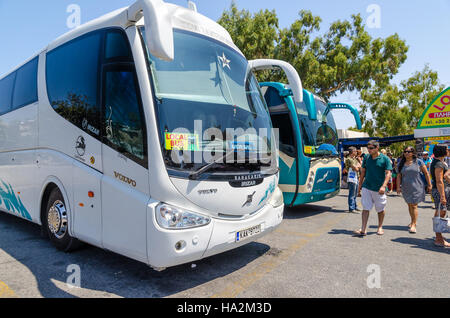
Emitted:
<point x="370" y="198"/>
<point x="437" y="199"/>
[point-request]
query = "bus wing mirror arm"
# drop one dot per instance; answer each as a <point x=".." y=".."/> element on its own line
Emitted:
<point x="158" y="26"/>
<point x="295" y="83"/>
<point x="346" y="106"/>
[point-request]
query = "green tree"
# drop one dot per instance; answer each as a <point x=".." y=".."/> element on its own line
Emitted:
<point x="393" y="110"/>
<point x="344" y="59"/>
<point x="254" y="35"/>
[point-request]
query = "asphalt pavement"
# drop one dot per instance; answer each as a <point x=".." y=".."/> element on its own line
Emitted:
<point x="312" y="254"/>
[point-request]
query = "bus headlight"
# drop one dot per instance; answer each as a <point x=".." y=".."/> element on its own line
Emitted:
<point x="310" y="185"/>
<point x="172" y="218"/>
<point x="277" y="198"/>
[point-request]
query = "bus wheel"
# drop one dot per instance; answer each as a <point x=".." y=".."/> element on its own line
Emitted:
<point x="57" y="223"/>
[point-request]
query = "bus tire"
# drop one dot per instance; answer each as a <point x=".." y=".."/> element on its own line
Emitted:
<point x="56" y="223"/>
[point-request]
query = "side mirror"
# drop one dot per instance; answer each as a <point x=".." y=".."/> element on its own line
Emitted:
<point x="345" y="106"/>
<point x="295" y="83"/>
<point x="158" y="26"/>
<point x="310" y="104"/>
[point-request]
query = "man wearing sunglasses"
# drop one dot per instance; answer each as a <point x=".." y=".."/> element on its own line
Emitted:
<point x="375" y="175"/>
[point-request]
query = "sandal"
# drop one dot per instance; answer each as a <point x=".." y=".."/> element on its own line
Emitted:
<point x="441" y="245"/>
<point x="380" y="233"/>
<point x="359" y="233"/>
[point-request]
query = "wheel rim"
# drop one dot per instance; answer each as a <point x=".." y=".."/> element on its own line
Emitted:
<point x="57" y="219"/>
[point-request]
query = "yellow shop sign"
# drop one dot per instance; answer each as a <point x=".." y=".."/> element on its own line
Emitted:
<point x="437" y="114"/>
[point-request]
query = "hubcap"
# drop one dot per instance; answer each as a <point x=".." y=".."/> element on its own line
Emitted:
<point x="57" y="219"/>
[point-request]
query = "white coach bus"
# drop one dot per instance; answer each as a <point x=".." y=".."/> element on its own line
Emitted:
<point x="100" y="139"/>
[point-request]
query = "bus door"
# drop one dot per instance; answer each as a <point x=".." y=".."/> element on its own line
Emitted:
<point x="287" y="122"/>
<point x="283" y="119"/>
<point x="125" y="183"/>
<point x="87" y="175"/>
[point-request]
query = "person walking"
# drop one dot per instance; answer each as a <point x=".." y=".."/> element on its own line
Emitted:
<point x="391" y="181"/>
<point x="353" y="167"/>
<point x="394" y="171"/>
<point x="359" y="156"/>
<point x="447" y="159"/>
<point x="344" y="184"/>
<point x="426" y="159"/>
<point x="410" y="184"/>
<point x="375" y="174"/>
<point x="441" y="188"/>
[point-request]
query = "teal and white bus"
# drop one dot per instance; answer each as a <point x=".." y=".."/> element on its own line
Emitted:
<point x="310" y="165"/>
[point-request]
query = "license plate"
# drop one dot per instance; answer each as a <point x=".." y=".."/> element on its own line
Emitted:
<point x="241" y="235"/>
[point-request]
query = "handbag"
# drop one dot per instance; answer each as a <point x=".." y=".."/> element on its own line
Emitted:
<point x="352" y="176"/>
<point x="441" y="225"/>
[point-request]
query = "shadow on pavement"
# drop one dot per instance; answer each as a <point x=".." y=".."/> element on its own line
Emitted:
<point x="431" y="206"/>
<point x="391" y="227"/>
<point x="107" y="272"/>
<point x="308" y="210"/>
<point x="347" y="232"/>
<point x="426" y="244"/>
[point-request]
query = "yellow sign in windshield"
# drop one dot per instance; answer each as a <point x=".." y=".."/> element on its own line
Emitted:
<point x="310" y="150"/>
<point x="177" y="141"/>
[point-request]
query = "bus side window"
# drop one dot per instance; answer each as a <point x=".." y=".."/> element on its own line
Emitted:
<point x="73" y="81"/>
<point x="25" y="88"/>
<point x="287" y="140"/>
<point x="117" y="47"/>
<point x="6" y="90"/>
<point x="273" y="97"/>
<point x="122" y="115"/>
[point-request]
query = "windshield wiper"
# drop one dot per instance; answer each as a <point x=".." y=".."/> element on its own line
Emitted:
<point x="194" y="175"/>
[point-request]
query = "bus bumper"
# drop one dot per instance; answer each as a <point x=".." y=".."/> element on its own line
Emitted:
<point x="217" y="237"/>
<point x="303" y="198"/>
<point x="224" y="235"/>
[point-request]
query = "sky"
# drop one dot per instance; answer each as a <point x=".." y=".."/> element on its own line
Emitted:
<point x="26" y="27"/>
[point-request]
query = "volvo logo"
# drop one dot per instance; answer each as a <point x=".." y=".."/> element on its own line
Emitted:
<point x="80" y="146"/>
<point x="209" y="191"/>
<point x="125" y="179"/>
<point x="249" y="199"/>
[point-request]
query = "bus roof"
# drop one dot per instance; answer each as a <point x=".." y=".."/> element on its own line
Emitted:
<point x="182" y="18"/>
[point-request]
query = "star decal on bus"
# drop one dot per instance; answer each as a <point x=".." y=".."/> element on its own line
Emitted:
<point x="225" y="61"/>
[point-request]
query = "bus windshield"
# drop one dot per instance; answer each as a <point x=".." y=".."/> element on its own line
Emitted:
<point x="208" y="103"/>
<point x="319" y="136"/>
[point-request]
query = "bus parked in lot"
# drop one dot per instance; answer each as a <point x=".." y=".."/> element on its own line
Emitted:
<point x="310" y="166"/>
<point x="114" y="135"/>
